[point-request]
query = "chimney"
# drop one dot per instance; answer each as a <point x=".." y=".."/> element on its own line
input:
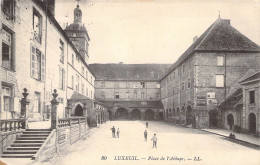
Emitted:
<point x="50" y="5"/>
<point x="195" y="39"/>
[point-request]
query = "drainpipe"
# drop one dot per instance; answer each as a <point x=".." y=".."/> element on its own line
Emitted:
<point x="225" y="69"/>
<point x="46" y="17"/>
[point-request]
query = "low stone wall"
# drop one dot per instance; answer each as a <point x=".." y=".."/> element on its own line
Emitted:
<point x="67" y="133"/>
<point x="6" y="138"/>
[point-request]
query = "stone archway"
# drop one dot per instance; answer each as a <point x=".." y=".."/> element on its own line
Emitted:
<point x="252" y="123"/>
<point x="230" y="120"/>
<point x="213" y="118"/>
<point x="149" y="114"/>
<point x="121" y="113"/>
<point x="136" y="114"/>
<point x="173" y="112"/>
<point x="189" y="115"/>
<point x="78" y="110"/>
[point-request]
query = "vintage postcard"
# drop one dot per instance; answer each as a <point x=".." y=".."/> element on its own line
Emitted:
<point x="130" y="82"/>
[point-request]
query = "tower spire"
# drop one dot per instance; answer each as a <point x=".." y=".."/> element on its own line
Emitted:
<point x="77" y="14"/>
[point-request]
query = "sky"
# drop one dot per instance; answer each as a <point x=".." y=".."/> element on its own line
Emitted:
<point x="154" y="31"/>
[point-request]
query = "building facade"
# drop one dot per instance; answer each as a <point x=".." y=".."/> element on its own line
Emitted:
<point x="37" y="54"/>
<point x="130" y="91"/>
<point x="203" y="75"/>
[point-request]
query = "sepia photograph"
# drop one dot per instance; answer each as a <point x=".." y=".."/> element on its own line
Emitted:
<point x="130" y="82"/>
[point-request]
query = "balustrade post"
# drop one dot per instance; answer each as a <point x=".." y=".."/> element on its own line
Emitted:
<point x="54" y="109"/>
<point x="25" y="108"/>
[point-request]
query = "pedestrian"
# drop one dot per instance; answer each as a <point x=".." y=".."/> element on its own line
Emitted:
<point x="117" y="132"/>
<point x="145" y="135"/>
<point x="113" y="131"/>
<point x="146" y="124"/>
<point x="154" y="139"/>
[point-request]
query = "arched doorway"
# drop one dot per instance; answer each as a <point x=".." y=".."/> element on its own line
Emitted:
<point x="149" y="115"/>
<point x="252" y="123"/>
<point x="161" y="116"/>
<point x="121" y="113"/>
<point x="136" y="114"/>
<point x="213" y="118"/>
<point x="173" y="112"/>
<point x="188" y="115"/>
<point x="110" y="115"/>
<point x="230" y="121"/>
<point x="79" y="110"/>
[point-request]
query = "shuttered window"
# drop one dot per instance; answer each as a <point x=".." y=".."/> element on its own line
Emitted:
<point x="37" y="64"/>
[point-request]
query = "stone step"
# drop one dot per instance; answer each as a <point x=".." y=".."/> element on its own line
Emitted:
<point x="34" y="135"/>
<point x="23" y="148"/>
<point x="37" y="132"/>
<point x="20" y="152"/>
<point x="29" y="141"/>
<point x="17" y="155"/>
<point x="26" y="145"/>
<point x="32" y="138"/>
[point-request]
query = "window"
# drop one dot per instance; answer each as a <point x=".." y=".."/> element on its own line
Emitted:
<point x="82" y="71"/>
<point x="37" y="64"/>
<point x="72" y="60"/>
<point x="37" y="102"/>
<point x="82" y="89"/>
<point x="7" y="49"/>
<point x="158" y="85"/>
<point x="103" y="84"/>
<point x="135" y="94"/>
<point x="72" y="82"/>
<point x="6" y="96"/>
<point x="127" y="95"/>
<point x="220" y="60"/>
<point x="177" y="88"/>
<point x="183" y="68"/>
<point x="127" y="85"/>
<point x="143" y="84"/>
<point x="116" y="85"/>
<point x="117" y="95"/>
<point x="86" y="91"/>
<point x="157" y="95"/>
<point x="103" y="96"/>
<point x="189" y="83"/>
<point x="91" y="94"/>
<point x="61" y="51"/>
<point x="251" y="97"/>
<point x="37" y="25"/>
<point x="86" y="74"/>
<point x="62" y="79"/>
<point x="8" y="9"/>
<point x="183" y="85"/>
<point x="172" y="90"/>
<point x="219" y="80"/>
<point x="77" y="85"/>
<point x="142" y="95"/>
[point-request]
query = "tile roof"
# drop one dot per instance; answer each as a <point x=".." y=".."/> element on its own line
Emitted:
<point x="149" y="72"/>
<point x="220" y="36"/>
<point x="134" y="104"/>
<point x="235" y="99"/>
<point x="78" y="96"/>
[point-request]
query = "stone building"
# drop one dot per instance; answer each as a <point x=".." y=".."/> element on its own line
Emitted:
<point x="37" y="54"/>
<point x="203" y="75"/>
<point x="251" y="103"/>
<point x="130" y="91"/>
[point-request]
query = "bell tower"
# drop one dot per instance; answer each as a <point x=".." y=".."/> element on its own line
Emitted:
<point x="78" y="34"/>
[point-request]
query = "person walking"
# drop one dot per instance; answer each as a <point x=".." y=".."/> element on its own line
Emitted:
<point x="146" y="124"/>
<point x="145" y="135"/>
<point x="113" y="131"/>
<point x="154" y="139"/>
<point x="117" y="132"/>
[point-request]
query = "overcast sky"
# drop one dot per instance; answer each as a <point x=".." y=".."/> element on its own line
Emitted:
<point x="154" y="31"/>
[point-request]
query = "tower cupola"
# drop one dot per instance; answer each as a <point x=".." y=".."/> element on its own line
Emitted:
<point x="77" y="15"/>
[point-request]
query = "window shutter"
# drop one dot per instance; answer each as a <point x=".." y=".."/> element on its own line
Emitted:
<point x="63" y="78"/>
<point x="33" y="61"/>
<point x="42" y="67"/>
<point x="60" y="77"/>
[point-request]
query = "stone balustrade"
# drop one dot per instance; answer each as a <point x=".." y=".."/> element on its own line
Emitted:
<point x="12" y="125"/>
<point x="64" y="122"/>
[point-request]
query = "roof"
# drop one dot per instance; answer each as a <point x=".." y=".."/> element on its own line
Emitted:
<point x="148" y="72"/>
<point x="219" y="37"/>
<point x="255" y="77"/>
<point x="77" y="27"/>
<point x="78" y="96"/>
<point x="134" y="104"/>
<point x="235" y="99"/>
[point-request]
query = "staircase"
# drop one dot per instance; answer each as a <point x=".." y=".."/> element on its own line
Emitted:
<point x="28" y="144"/>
